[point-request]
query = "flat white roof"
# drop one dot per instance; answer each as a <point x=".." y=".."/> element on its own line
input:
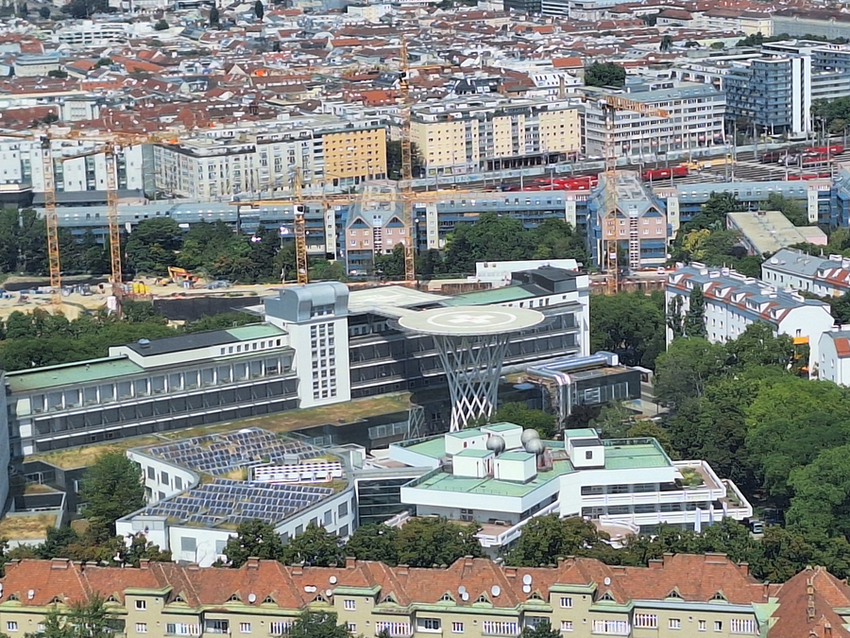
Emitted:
<point x="471" y="320"/>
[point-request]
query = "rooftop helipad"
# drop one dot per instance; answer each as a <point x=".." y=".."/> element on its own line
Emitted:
<point x="462" y="321"/>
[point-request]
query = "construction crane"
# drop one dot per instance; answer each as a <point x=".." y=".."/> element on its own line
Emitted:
<point x="610" y="240"/>
<point x="406" y="166"/>
<point x="51" y="219"/>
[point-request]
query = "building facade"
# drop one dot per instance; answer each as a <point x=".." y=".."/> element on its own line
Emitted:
<point x="463" y="135"/>
<point x="734" y="301"/>
<point x="824" y="277"/>
<point x="678" y="595"/>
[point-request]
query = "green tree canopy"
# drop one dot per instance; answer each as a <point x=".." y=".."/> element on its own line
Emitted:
<point x="694" y="323"/>
<point x="424" y="542"/>
<point x="318" y="624"/>
<point x="545" y="538"/>
<point x="316" y="546"/>
<point x="605" y="74"/>
<point x="111" y="488"/>
<point x="254" y="539"/>
<point x="374" y="542"/>
<point x="528" y="418"/>
<point x="630" y="324"/>
<point x="686" y="368"/>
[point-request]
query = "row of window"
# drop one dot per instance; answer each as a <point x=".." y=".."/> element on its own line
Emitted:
<point x="736" y="625"/>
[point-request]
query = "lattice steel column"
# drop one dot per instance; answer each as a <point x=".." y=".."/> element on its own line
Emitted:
<point x="473" y="365"/>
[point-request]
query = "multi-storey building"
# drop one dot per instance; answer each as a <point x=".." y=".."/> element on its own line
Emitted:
<point x="317" y="345"/>
<point x="467" y="135"/>
<point x="678" y="595"/>
<point x="694" y="120"/>
<point x="834" y="362"/>
<point x="791" y="268"/>
<point x="764" y="232"/>
<point x="734" y="301"/>
<point x="635" y="221"/>
<point x="322" y="151"/>
<point x="500" y="478"/>
<point x="92" y="33"/>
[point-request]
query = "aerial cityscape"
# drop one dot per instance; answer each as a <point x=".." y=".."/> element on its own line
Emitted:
<point x="358" y="318"/>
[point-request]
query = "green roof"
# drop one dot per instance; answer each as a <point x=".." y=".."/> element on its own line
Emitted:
<point x="632" y="457"/>
<point x="486" y="297"/>
<point x="516" y="455"/>
<point x="256" y="331"/>
<point x="581" y="433"/>
<point x="443" y="481"/>
<point x="473" y="453"/>
<point x="434" y="448"/>
<point x="465" y="434"/>
<point x="71" y="374"/>
<point x="501" y="427"/>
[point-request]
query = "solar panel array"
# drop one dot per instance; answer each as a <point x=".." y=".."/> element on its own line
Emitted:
<point x="219" y="454"/>
<point x="228" y="501"/>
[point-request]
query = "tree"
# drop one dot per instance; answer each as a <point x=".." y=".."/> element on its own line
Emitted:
<point x="316" y="546"/>
<point x="540" y="630"/>
<point x="259" y="10"/>
<point x="215" y="18"/>
<point x="821" y="500"/>
<point x="44" y="13"/>
<point x="111" y="488"/>
<point x="666" y="43"/>
<point x="318" y="624"/>
<point x="56" y="542"/>
<point x="374" y="542"/>
<point x="605" y="74"/>
<point x="391" y="266"/>
<point x="545" y="538"/>
<point x="694" y="323"/>
<point x="685" y="369"/>
<point x="424" y="542"/>
<point x="630" y="324"/>
<point x="528" y="418"/>
<point x="161" y="25"/>
<point x="757" y="346"/>
<point x="139" y="549"/>
<point x="718" y="46"/>
<point x="83" y="619"/>
<point x="793" y="209"/>
<point x="614" y="421"/>
<point x="675" y="316"/>
<point x="153" y="245"/>
<point x="254" y="539"/>
<point x="650" y="429"/>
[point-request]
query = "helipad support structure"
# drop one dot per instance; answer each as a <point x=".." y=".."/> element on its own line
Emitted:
<point x="471" y="342"/>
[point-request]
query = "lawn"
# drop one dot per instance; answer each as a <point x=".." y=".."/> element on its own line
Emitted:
<point x="26" y="526"/>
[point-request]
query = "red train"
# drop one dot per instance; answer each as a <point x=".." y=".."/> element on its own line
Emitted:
<point x="808" y="176"/>
<point x="835" y="149"/>
<point x="665" y="173"/>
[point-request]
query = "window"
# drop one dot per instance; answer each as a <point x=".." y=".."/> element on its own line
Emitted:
<point x="216" y="626"/>
<point x="566" y="625"/>
<point x="188" y="544"/>
<point x="566" y="602"/>
<point x="742" y="626"/>
<point x="352" y="627"/>
<point x="611" y="627"/>
<point x="141" y="628"/>
<point x="11" y="625"/>
<point x="428" y="624"/>
<point x="151" y="473"/>
<point x="457" y="627"/>
<point x="718" y="625"/>
<point x="499" y="628"/>
<point x="279" y="628"/>
<point x="244" y="628"/>
<point x="701" y="625"/>
<point x="349" y="604"/>
<point x="588" y="455"/>
<point x="675" y="623"/>
<point x="646" y="621"/>
<point x="141" y="605"/>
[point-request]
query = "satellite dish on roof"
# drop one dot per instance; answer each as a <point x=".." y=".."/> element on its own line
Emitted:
<point x="495" y="590"/>
<point x="332" y="580"/>
<point x="252" y="598"/>
<point x="464" y="596"/>
<point x="461" y="590"/>
<point x="526" y="589"/>
<point x="31" y="594"/>
<point x="329" y="592"/>
<point x="526" y="580"/>
<point x="607" y="580"/>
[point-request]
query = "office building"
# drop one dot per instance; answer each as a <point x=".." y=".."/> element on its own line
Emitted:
<point x="694" y="122"/>
<point x="317" y="345"/>
<point x="733" y="302"/>
<point x="821" y="276"/>
<point x="765" y="232"/>
<point x="501" y="476"/>
<point x="463" y="135"/>
<point x="635" y="221"/>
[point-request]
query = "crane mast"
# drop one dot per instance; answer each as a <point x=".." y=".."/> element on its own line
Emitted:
<point x="51" y="219"/>
<point x="407" y="167"/>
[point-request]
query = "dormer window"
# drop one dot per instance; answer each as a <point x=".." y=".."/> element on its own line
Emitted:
<point x="445" y="598"/>
<point x="607" y="597"/>
<point x="719" y="598"/>
<point x="269" y="599"/>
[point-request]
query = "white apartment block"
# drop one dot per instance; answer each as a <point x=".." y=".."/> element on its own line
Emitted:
<point x="470" y="134"/>
<point x="824" y="277"/>
<point x="734" y="301"/>
<point x="91" y="33"/>
<point x="501" y="477"/>
<point x="322" y="151"/>
<point x="694" y="121"/>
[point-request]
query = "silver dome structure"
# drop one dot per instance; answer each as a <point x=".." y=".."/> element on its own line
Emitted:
<point x="535" y="446"/>
<point x="496" y="443"/>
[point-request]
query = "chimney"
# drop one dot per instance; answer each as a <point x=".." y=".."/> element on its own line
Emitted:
<point x="59" y="563"/>
<point x="467" y="561"/>
<point x="194" y="568"/>
<point x="297" y="570"/>
<point x="745" y="568"/>
<point x="402" y="570"/>
<point x="656" y="563"/>
<point x="510" y="572"/>
<point x="144" y="563"/>
<point x="350" y="563"/>
<point x="253" y="562"/>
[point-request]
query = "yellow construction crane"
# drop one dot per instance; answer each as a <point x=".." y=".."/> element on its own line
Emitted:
<point x="406" y="166"/>
<point x="610" y="231"/>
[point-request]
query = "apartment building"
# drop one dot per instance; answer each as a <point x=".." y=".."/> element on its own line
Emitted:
<point x="468" y="135"/>
<point x="626" y="486"/>
<point x="734" y="301"/>
<point x="695" y="120"/>
<point x="635" y="221"/>
<point x="316" y="345"/>
<point x="322" y="151"/>
<point x="678" y="595"/>
<point x="792" y="268"/>
<point x="834" y="362"/>
<point x="85" y="33"/>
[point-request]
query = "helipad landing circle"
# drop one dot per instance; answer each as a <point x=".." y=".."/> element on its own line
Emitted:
<point x="476" y="320"/>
